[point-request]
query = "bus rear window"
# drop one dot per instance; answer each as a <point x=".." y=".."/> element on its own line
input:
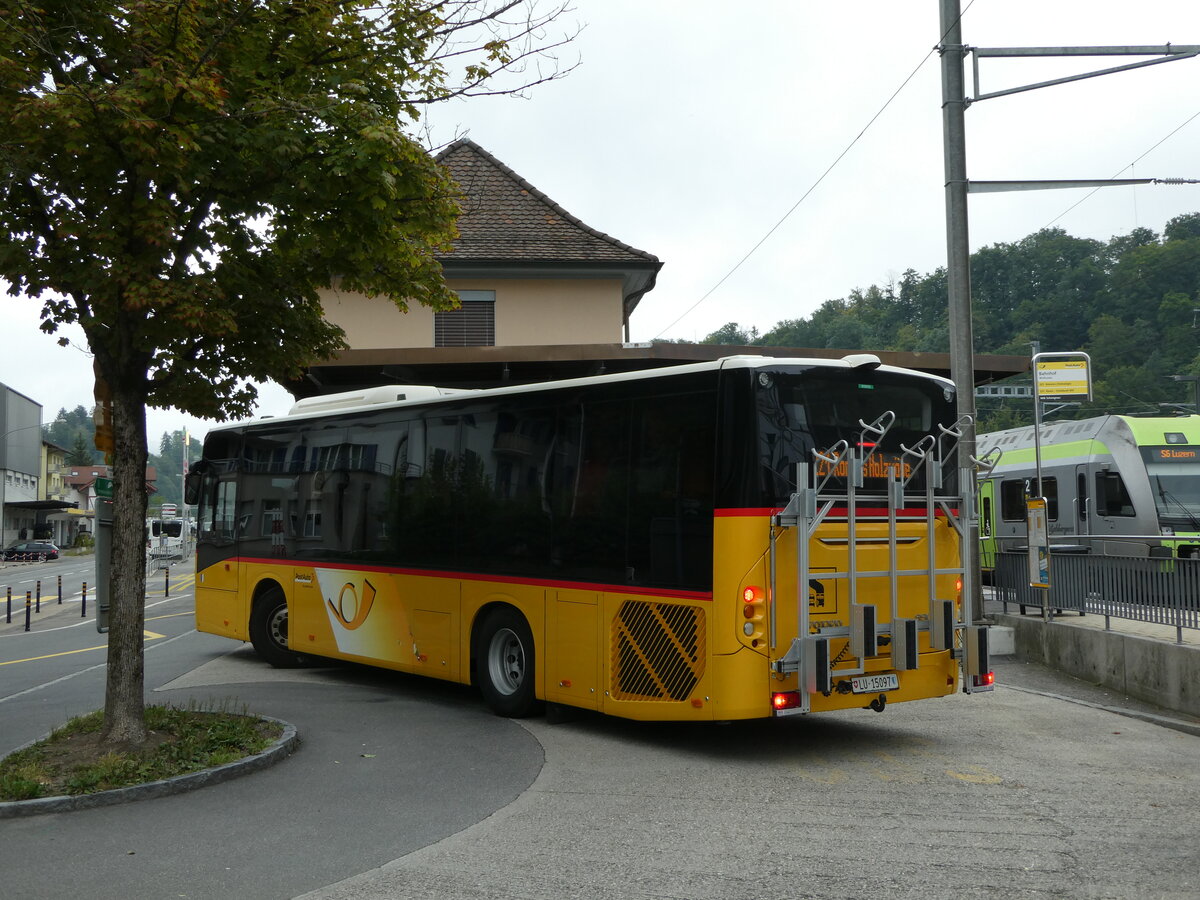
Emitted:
<point x="800" y="412"/>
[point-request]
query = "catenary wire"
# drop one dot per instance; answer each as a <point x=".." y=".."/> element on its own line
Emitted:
<point x="812" y="187"/>
<point x="1119" y="171"/>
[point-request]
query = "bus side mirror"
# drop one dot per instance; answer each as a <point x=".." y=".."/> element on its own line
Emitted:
<point x="191" y="488"/>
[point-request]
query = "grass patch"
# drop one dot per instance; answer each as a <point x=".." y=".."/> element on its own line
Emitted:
<point x="73" y="761"/>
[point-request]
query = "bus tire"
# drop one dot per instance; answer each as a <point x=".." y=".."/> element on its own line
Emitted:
<point x="504" y="663"/>
<point x="269" y="630"/>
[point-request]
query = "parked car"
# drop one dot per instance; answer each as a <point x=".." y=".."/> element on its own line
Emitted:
<point x="32" y="551"/>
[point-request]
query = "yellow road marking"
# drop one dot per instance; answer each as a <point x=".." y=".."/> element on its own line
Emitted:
<point x="150" y="635"/>
<point x="975" y="775"/>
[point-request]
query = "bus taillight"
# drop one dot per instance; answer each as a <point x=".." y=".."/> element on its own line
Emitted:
<point x="785" y="700"/>
<point x="983" y="682"/>
<point x="753" y="608"/>
<point x="750" y="600"/>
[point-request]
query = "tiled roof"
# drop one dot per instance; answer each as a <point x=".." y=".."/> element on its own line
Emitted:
<point x="505" y="218"/>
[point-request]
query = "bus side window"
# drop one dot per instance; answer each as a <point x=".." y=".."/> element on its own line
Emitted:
<point x="225" y="512"/>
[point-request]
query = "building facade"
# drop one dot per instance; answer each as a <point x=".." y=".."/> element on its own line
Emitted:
<point x="20" y="464"/>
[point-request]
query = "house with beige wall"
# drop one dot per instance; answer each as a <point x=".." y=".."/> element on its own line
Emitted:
<point x="543" y="296"/>
<point x="536" y="284"/>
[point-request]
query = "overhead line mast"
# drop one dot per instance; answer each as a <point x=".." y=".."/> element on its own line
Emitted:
<point x="957" y="186"/>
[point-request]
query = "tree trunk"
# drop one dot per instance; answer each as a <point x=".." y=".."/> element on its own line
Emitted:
<point x="124" y="700"/>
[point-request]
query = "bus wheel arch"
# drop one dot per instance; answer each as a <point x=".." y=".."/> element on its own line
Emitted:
<point x="503" y="661"/>
<point x="269" y="626"/>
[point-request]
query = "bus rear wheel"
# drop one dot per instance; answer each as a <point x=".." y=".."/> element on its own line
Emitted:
<point x="504" y="663"/>
<point x="269" y="630"/>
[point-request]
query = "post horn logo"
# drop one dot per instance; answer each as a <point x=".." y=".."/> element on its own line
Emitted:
<point x="349" y="611"/>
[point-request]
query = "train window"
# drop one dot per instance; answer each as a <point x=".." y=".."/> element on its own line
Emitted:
<point x="1112" y="497"/>
<point x="1081" y="494"/>
<point x="1050" y="489"/>
<point x="1012" y="500"/>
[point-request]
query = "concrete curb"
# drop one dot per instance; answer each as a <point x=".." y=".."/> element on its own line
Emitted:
<point x="277" y="752"/>
<point x="1153" y="719"/>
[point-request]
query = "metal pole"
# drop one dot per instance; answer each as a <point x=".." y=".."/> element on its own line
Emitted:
<point x="958" y="267"/>
<point x="1037" y="420"/>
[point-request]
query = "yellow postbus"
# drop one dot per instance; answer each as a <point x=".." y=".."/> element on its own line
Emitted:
<point x="737" y="539"/>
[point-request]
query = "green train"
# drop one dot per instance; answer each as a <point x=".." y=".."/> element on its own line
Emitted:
<point x="1115" y="485"/>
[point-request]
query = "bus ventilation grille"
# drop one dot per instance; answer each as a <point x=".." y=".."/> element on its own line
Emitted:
<point x="658" y="651"/>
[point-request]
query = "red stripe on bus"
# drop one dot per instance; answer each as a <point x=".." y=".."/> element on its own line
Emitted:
<point x="837" y="511"/>
<point x="475" y="576"/>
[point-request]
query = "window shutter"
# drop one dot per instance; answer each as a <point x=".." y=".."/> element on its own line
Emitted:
<point x="472" y="325"/>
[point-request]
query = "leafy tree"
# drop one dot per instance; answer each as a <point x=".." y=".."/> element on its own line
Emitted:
<point x="1183" y="227"/>
<point x="732" y="334"/>
<point x="168" y="463"/>
<point x="73" y="429"/>
<point x="181" y="179"/>
<point x="81" y="453"/>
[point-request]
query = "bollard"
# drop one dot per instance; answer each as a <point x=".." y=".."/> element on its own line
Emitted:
<point x="39" y="596"/>
<point x="83" y="605"/>
<point x="167" y="581"/>
<point x="60" y="590"/>
<point x="28" y="608"/>
<point x="8" y="615"/>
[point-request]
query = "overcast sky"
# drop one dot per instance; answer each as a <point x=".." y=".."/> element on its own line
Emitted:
<point x="693" y="127"/>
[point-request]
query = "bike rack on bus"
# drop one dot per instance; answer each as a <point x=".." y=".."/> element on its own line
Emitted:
<point x="808" y="653"/>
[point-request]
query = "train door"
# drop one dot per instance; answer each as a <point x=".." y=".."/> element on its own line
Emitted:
<point x="1082" y="501"/>
<point x="987" y="524"/>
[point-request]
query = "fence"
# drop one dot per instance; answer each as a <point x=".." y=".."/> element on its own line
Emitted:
<point x="166" y="554"/>
<point x="1163" y="591"/>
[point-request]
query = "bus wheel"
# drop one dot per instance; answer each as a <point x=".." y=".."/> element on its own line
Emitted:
<point x="504" y="663"/>
<point x="269" y="630"/>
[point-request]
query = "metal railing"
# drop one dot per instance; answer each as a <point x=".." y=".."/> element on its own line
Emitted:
<point x="1162" y="591"/>
<point x="159" y="556"/>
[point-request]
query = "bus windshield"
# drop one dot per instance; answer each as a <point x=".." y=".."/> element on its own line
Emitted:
<point x="800" y="412"/>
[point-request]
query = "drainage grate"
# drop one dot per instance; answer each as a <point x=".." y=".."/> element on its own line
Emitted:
<point x="658" y="651"/>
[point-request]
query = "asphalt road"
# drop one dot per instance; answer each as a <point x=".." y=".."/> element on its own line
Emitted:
<point x="410" y="788"/>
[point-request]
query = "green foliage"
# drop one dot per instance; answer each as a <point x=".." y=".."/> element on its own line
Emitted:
<point x="168" y="464"/>
<point x="1130" y="303"/>
<point x="72" y="761"/>
<point x="82" y="451"/>
<point x="183" y="179"/>
<point x="732" y="334"/>
<point x="76" y="431"/>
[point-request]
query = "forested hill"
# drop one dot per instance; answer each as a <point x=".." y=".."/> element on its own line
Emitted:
<point x="75" y="431"/>
<point x="1133" y="304"/>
